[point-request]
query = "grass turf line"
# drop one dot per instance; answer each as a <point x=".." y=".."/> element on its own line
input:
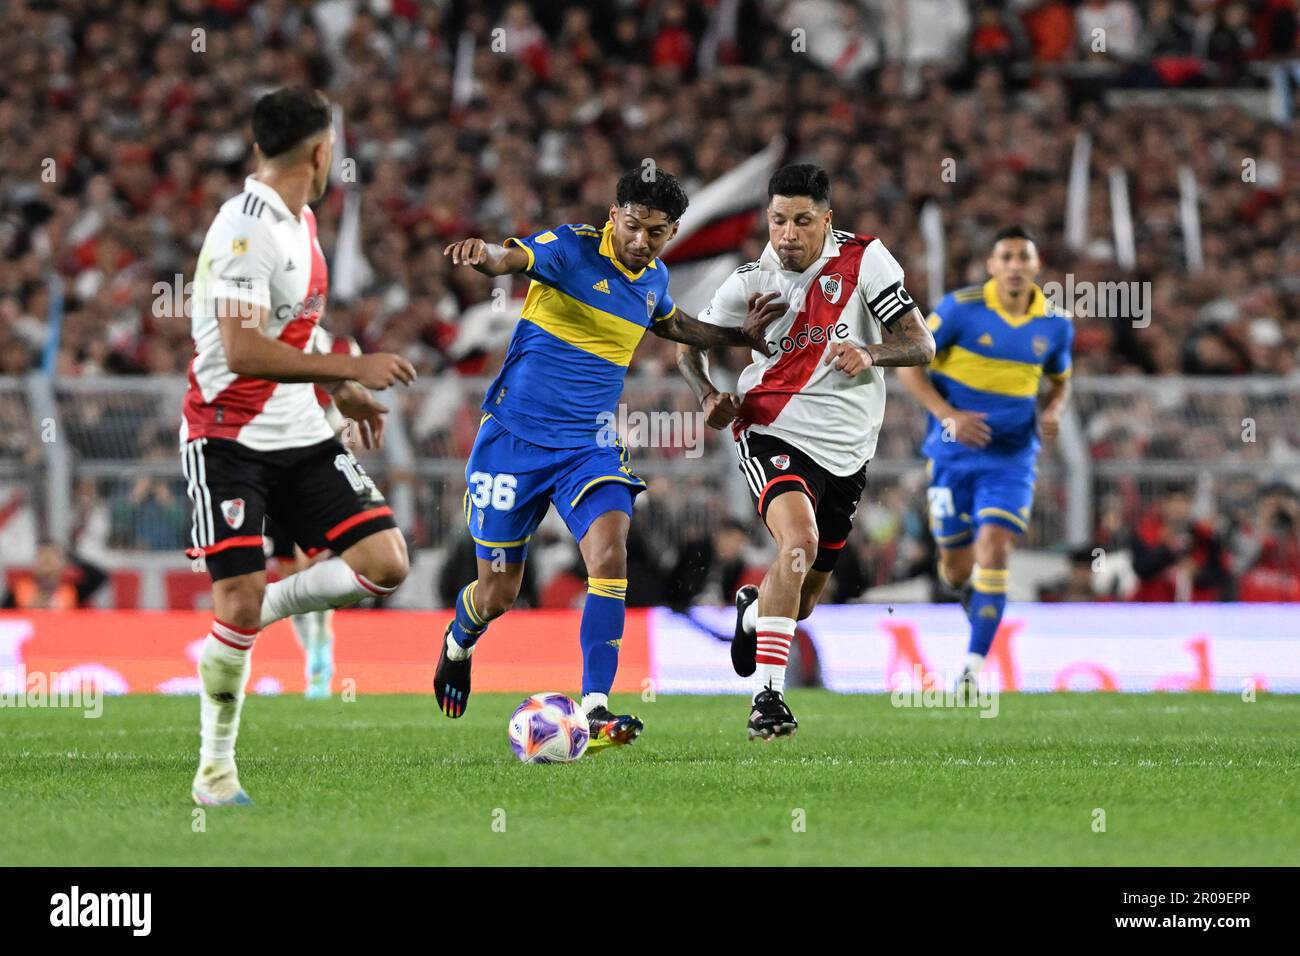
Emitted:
<point x="1184" y="779"/>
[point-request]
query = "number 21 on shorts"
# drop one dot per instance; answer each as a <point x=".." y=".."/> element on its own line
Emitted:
<point x="941" y="505"/>
<point x="492" y="491"/>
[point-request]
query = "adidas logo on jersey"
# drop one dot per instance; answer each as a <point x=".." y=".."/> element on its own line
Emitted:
<point x="985" y="339"/>
<point x="289" y="267"/>
<point x="602" y="286"/>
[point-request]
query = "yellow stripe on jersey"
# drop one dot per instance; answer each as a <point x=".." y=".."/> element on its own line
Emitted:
<point x="1059" y="376"/>
<point x="583" y="326"/>
<point x="1000" y="376"/>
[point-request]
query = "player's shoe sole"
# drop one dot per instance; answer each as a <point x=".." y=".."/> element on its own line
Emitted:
<point x="223" y="790"/>
<point x="240" y="799"/>
<point x="744" y="645"/>
<point x="451" y="681"/>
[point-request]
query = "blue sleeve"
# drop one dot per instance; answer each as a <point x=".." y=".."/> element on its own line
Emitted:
<point x="548" y="253"/>
<point x="944" y="322"/>
<point x="665" y="307"/>
<point x="1058" y="360"/>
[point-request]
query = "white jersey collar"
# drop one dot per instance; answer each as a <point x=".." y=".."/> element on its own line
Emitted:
<point x="262" y="191"/>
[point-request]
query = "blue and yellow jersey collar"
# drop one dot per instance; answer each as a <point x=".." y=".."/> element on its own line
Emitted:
<point x="607" y="250"/>
<point x="1037" y="305"/>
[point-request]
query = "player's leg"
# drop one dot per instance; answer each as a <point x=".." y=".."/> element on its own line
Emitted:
<point x="595" y="492"/>
<point x="1002" y="506"/>
<point x="951" y="500"/>
<point x="479" y="603"/>
<point x="509" y="481"/>
<point x="604" y="552"/>
<point x="793" y="524"/>
<point x="837" y="505"/>
<point x="327" y="502"/>
<point x="312" y="629"/>
<point x="227" y="485"/>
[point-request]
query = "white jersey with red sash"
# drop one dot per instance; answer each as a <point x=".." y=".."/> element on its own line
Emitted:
<point x="845" y="295"/>
<point x="257" y="253"/>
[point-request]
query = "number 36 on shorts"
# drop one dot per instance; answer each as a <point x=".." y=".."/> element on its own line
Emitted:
<point x="492" y="491"/>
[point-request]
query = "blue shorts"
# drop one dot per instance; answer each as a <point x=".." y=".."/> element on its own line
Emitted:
<point x="512" y="481"/>
<point x="964" y="496"/>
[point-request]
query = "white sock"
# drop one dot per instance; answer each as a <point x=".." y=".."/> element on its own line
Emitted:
<point x="591" y="701"/>
<point x="224" y="664"/>
<point x="773" y="653"/>
<point x="325" y="585"/>
<point x="750" y="619"/>
<point x="457" y="653"/>
<point x="974" y="662"/>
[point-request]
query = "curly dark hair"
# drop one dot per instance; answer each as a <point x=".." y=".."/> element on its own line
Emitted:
<point x="654" y="188"/>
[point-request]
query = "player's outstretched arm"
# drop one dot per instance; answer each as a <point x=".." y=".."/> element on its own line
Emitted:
<point x="720" y="408"/>
<point x="907" y="341"/>
<point x="687" y="330"/>
<point x="252" y="353"/>
<point x="969" y="428"/>
<point x="487" y="257"/>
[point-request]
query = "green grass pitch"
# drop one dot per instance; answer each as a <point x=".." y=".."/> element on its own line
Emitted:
<point x="1183" y="779"/>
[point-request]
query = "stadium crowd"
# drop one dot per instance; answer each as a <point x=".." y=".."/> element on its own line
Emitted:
<point x="126" y="126"/>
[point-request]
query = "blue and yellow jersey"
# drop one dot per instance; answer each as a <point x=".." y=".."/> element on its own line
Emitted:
<point x="584" y="316"/>
<point x="987" y="361"/>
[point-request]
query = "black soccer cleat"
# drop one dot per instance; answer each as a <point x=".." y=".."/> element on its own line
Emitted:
<point x="771" y="717"/>
<point x="744" y="646"/>
<point x="451" y="681"/>
<point x="607" y="729"/>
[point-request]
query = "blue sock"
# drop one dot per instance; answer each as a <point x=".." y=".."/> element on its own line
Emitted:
<point x="987" y="602"/>
<point x="601" y="633"/>
<point x="469" y="625"/>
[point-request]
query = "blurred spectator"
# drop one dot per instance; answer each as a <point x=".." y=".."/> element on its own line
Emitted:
<point x="1272" y="545"/>
<point x="1177" y="558"/>
<point x="54" y="582"/>
<point x="1078" y="584"/>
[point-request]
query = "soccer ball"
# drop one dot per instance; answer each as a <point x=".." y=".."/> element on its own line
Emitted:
<point x="548" y="728"/>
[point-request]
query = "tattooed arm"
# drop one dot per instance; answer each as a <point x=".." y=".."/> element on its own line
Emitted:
<point x="907" y="342"/>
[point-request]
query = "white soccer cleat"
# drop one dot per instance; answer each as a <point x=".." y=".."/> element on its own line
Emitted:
<point x="216" y="786"/>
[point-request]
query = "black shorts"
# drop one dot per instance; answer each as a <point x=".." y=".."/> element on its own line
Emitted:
<point x="278" y="543"/>
<point x="772" y="467"/>
<point x="318" y="495"/>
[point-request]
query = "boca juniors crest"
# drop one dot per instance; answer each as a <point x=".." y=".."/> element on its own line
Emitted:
<point x="232" y="510"/>
<point x="650" y="301"/>
<point x="832" y="286"/>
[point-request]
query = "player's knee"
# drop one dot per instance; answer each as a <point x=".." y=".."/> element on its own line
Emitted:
<point x="806" y="606"/>
<point x="389" y="565"/>
<point x="956" y="570"/>
<point x="799" y="550"/>
<point x="608" y="560"/>
<point x="496" y="595"/>
<point x="993" y="551"/>
<point x="240" y="604"/>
